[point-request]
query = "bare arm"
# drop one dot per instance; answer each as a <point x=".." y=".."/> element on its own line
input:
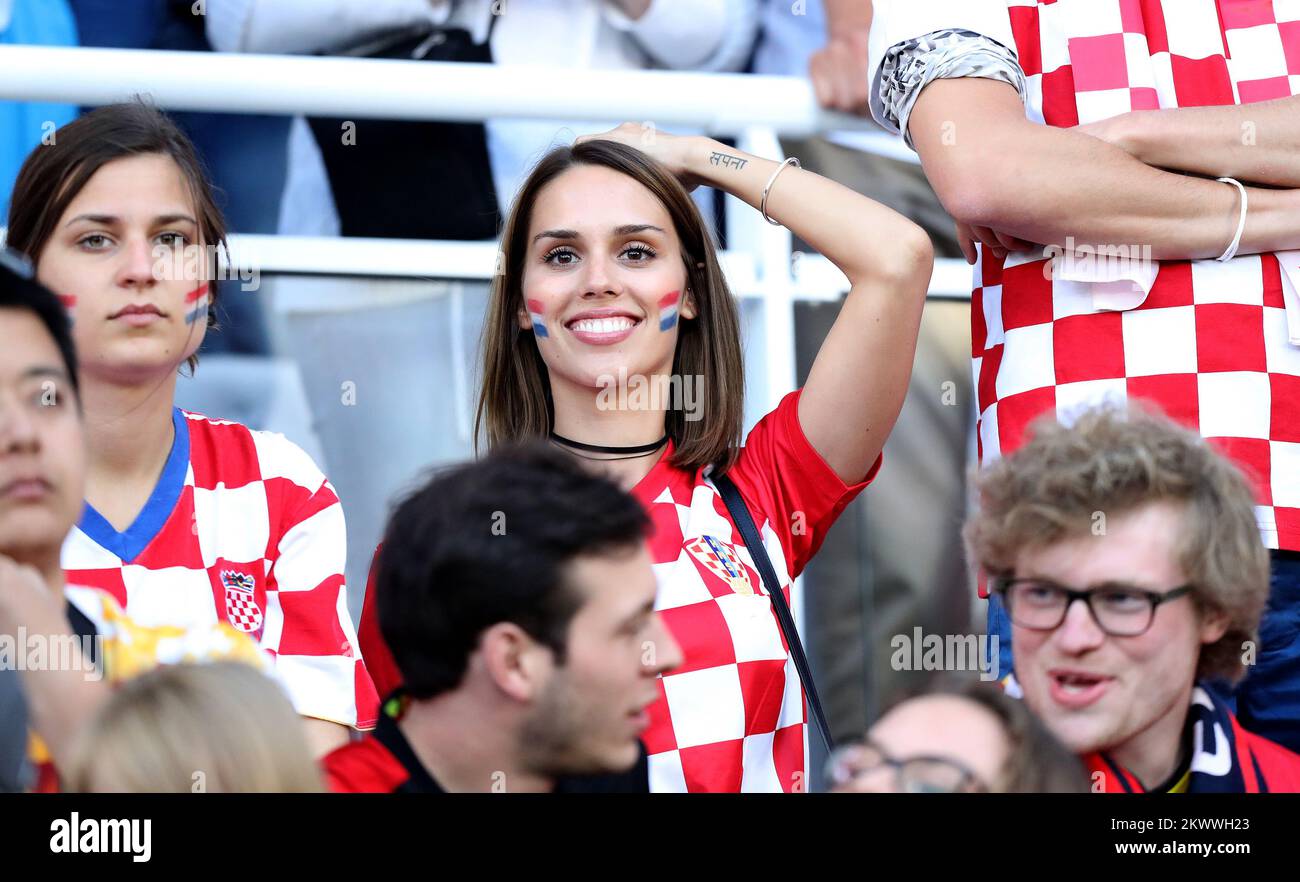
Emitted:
<point x="1257" y="143"/>
<point x="61" y="700"/>
<point x="859" y="378"/>
<point x="324" y="735"/>
<point x="991" y="167"/>
<point x="846" y="15"/>
<point x="839" y="70"/>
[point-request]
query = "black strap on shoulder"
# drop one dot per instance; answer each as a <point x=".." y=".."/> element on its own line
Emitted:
<point x="758" y="552"/>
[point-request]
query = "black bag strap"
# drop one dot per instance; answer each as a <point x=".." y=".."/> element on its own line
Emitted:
<point x="758" y="552"/>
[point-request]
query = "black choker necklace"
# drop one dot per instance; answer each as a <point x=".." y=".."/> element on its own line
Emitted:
<point x="636" y="450"/>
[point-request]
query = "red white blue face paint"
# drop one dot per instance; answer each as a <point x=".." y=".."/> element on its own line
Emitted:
<point x="535" y="313"/>
<point x="196" y="304"/>
<point x="69" y="302"/>
<point x="668" y="310"/>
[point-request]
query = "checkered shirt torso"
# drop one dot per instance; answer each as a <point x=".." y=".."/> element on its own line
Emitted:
<point x="256" y="539"/>
<point x="1209" y="344"/>
<point x="732" y="717"/>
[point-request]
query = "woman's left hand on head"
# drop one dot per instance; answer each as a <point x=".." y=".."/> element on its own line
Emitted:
<point x="671" y="151"/>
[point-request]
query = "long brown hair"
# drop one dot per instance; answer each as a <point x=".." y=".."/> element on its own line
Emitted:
<point x="53" y="174"/>
<point x="515" y="396"/>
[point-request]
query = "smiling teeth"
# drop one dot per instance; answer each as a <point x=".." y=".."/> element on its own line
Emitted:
<point x="603" y="326"/>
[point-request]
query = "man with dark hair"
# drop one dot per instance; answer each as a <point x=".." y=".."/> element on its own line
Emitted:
<point x="517" y="597"/>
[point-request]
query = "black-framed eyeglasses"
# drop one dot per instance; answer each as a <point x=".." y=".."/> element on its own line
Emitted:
<point x="1119" y="610"/>
<point x="915" y="774"/>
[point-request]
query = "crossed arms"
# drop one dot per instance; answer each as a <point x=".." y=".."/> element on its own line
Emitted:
<point x="1004" y="178"/>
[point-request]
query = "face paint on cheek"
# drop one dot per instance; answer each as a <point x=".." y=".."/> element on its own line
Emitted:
<point x="69" y="302"/>
<point x="668" y="310"/>
<point x="535" y="313"/>
<point x="196" y="304"/>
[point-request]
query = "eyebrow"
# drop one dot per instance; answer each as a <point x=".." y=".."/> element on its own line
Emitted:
<point x="44" y="371"/>
<point x="111" y="219"/>
<point x="624" y="230"/>
<point x="1104" y="585"/>
<point x="644" y="610"/>
<point x="1120" y="585"/>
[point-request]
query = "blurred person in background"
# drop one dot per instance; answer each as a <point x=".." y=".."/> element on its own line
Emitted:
<point x="81" y="632"/>
<point x="219" y="727"/>
<point x="895" y="561"/>
<point x="517" y="598"/>
<point x="1126" y="553"/>
<point x="689" y="35"/>
<point x="968" y="738"/>
<point x="456" y="195"/>
<point x="188" y="520"/>
<point x="24" y="125"/>
<point x="373" y="178"/>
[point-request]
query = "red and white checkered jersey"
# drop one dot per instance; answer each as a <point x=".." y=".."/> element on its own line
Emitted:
<point x="732" y="717"/>
<point x="1209" y="344"/>
<point x="241" y="528"/>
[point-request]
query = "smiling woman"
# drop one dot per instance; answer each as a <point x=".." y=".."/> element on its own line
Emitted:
<point x="188" y="520"/>
<point x="605" y="219"/>
<point x="611" y="284"/>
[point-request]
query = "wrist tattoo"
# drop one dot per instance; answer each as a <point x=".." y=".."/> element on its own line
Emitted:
<point x="726" y="160"/>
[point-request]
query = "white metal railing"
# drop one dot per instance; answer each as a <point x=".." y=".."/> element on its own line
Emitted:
<point x="366" y="88"/>
<point x="753" y="108"/>
<point x="813" y="277"/>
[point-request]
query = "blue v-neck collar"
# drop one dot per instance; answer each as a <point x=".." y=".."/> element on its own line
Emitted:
<point x="128" y="544"/>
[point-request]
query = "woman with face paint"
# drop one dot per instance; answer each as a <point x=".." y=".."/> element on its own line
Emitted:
<point x="188" y="520"/>
<point x="611" y="331"/>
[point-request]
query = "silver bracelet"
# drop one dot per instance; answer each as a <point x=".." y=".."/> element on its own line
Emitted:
<point x="762" y="203"/>
<point x="1241" y="221"/>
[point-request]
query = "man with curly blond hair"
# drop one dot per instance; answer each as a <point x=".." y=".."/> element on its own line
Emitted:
<point x="1126" y="552"/>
